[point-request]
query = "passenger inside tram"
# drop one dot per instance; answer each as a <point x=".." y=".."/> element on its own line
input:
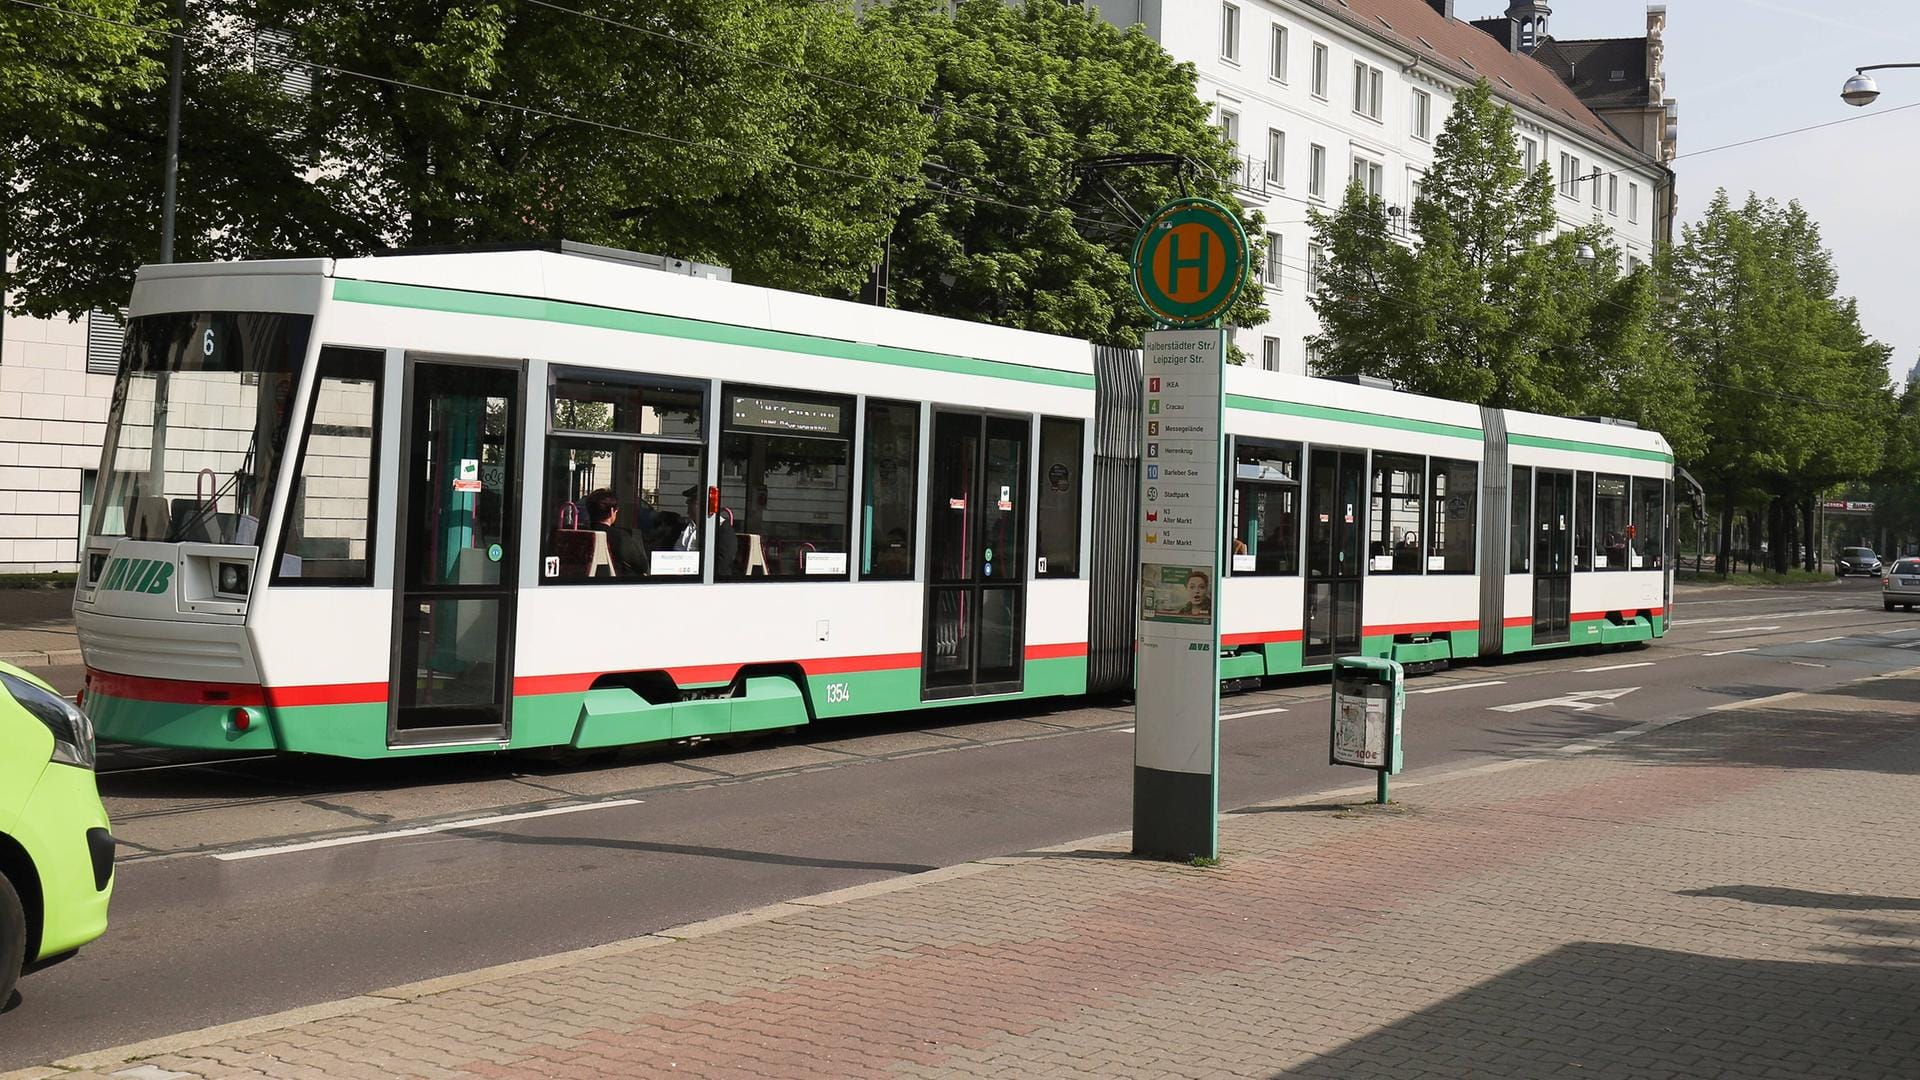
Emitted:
<point x="628" y="551"/>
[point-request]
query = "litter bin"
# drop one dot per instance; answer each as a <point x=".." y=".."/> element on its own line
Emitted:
<point x="1369" y="698"/>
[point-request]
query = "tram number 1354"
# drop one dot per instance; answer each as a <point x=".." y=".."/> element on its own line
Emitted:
<point x="837" y="692"/>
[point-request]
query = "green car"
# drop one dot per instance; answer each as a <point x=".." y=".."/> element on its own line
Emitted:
<point x="56" y="854"/>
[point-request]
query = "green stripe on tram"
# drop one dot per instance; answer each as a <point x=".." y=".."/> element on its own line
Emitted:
<point x="463" y="302"/>
<point x="1352" y="416"/>
<point x="1545" y="443"/>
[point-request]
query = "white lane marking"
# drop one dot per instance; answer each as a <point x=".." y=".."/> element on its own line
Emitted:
<point x="1748" y="600"/>
<point x="1772" y="615"/>
<point x="1571" y="701"/>
<point x="1804" y="663"/>
<point x="1461" y="686"/>
<point x="1744" y="629"/>
<point x="1908" y="645"/>
<point x="422" y="830"/>
<point x="1730" y="652"/>
<point x="1824" y="640"/>
<point x="1614" y="667"/>
<point x="1263" y="712"/>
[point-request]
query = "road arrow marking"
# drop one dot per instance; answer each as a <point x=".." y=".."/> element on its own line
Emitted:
<point x="1571" y="701"/>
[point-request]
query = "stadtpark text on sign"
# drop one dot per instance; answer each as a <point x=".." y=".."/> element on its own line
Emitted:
<point x="1190" y="263"/>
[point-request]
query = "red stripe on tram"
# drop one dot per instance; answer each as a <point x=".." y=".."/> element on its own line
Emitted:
<point x="173" y="691"/>
<point x="1420" y="628"/>
<point x="1057" y="651"/>
<point x="1261" y="637"/>
<point x="372" y="693"/>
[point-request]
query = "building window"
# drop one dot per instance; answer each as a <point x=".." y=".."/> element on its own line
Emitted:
<point x="1610" y="521"/>
<point x="1276" y="157"/>
<point x="1454" y="490"/>
<point x="1277" y="61"/>
<point x="626" y="476"/>
<point x="1594" y="179"/>
<point x="1519" y="521"/>
<point x="1633" y="263"/>
<point x="1416" y="185"/>
<point x="890" y="471"/>
<point x="785" y="484"/>
<point x="330" y="511"/>
<point x="1613" y="193"/>
<point x="1530" y="153"/>
<point x="1230" y="128"/>
<point x="1368" y="87"/>
<point x="1633" y="203"/>
<point x="1646" y="545"/>
<point x="1271" y="270"/>
<point x="1370" y="175"/>
<point x="106" y="335"/>
<point x="1317" y="171"/>
<point x="1059" y="503"/>
<point x="1265" y="526"/>
<point x="1230" y="33"/>
<point x="1319" y="71"/>
<point x="1270" y="353"/>
<point x="1569" y="168"/>
<point x="1314" y="357"/>
<point x="1397" y="506"/>
<point x="1316" y="258"/>
<point x="1422" y="114"/>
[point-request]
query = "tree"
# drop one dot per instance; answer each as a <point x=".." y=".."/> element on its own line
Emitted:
<point x="780" y="137"/>
<point x="1479" y="307"/>
<point x="1794" y="393"/>
<point x="1007" y="230"/>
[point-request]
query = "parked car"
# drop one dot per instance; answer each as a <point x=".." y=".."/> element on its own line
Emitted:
<point x="1857" y="560"/>
<point x="1901" y="586"/>
<point x="56" y="853"/>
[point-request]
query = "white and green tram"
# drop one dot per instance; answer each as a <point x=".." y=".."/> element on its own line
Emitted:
<point x="554" y="498"/>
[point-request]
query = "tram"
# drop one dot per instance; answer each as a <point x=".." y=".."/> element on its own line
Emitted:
<point x="430" y="503"/>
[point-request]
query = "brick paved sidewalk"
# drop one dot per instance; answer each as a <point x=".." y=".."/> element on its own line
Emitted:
<point x="1730" y="896"/>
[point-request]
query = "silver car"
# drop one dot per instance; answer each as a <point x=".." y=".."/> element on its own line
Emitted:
<point x="1902" y="584"/>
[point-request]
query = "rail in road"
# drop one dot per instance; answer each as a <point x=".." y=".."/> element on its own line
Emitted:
<point x="256" y="884"/>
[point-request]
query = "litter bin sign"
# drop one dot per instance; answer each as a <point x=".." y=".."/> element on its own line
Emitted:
<point x="1369" y="697"/>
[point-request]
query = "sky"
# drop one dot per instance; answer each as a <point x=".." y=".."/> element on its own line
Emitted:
<point x="1741" y="69"/>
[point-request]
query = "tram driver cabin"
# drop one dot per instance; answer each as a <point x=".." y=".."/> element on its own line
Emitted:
<point x="356" y="507"/>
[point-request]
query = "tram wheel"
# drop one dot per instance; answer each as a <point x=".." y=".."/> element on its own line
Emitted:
<point x="13" y="940"/>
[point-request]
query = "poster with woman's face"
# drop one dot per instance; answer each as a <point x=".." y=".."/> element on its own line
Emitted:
<point x="1180" y="594"/>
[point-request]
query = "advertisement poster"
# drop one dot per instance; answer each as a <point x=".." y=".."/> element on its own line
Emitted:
<point x="1181" y="594"/>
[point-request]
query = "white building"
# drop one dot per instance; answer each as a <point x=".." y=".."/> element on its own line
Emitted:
<point x="56" y="381"/>
<point x="1315" y="92"/>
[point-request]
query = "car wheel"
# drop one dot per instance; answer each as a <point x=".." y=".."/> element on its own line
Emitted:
<point x="13" y="940"/>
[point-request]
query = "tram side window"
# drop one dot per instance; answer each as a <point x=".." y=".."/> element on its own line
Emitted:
<point x="1520" y="521"/>
<point x="890" y="474"/>
<point x="623" y="495"/>
<point x="1059" y="502"/>
<point x="1266" y="508"/>
<point x="786" y="485"/>
<point x="1583" y="521"/>
<point x="1397" y="503"/>
<point x="1649" y="521"/>
<point x="330" y="512"/>
<point x="1454" y="490"/>
<point x="1610" y="521"/>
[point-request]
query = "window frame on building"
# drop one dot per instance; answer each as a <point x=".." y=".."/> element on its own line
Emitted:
<point x="1277" y="57"/>
<point x="1633" y="202"/>
<point x="1370" y="173"/>
<point x="1270" y="353"/>
<point x="1420" y="122"/>
<point x="1316" y="172"/>
<point x="1369" y="90"/>
<point x="1273" y="263"/>
<point x="1322" y="65"/>
<point x="1613" y="194"/>
<point x="1276" y="167"/>
<point x="1230" y="32"/>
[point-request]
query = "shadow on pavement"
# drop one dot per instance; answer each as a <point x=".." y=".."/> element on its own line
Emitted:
<point x="1794" y="735"/>
<point x="1801" y="898"/>
<point x="772" y="858"/>
<point x="1595" y="1009"/>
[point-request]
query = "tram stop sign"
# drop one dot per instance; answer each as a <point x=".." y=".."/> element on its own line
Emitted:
<point x="1190" y="263"/>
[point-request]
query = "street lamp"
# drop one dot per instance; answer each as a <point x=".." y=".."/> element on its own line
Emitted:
<point x="1860" y="88"/>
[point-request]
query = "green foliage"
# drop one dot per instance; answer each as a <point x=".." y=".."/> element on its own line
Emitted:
<point x="1022" y="93"/>
<point x="1483" y="309"/>
<point x="691" y="130"/>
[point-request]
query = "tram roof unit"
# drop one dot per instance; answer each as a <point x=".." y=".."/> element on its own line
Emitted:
<point x="590" y="282"/>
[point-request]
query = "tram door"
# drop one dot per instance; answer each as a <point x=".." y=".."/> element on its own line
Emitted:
<point x="976" y="557"/>
<point x="458" y="553"/>
<point x="1553" y="519"/>
<point x="1336" y="540"/>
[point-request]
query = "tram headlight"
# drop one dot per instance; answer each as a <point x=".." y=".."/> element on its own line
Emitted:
<point x="231" y="578"/>
<point x="72" y="730"/>
<point x="96" y="564"/>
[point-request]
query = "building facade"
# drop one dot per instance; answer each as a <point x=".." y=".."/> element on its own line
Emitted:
<point x="1319" y="92"/>
<point x="56" y="382"/>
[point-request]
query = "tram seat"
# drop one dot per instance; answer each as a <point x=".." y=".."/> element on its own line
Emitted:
<point x="583" y="553"/>
<point x="756" y="554"/>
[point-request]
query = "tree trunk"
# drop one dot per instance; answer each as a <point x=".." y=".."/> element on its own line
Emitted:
<point x="1723" y="562"/>
<point x="1777" y="535"/>
<point x="1810" y="558"/>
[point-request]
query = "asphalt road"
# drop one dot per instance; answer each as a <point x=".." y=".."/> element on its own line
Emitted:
<point x="373" y="888"/>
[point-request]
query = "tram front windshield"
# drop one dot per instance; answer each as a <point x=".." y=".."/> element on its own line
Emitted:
<point x="199" y="420"/>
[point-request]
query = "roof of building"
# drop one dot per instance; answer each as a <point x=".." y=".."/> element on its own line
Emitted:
<point x="1590" y="66"/>
<point x="1469" y="53"/>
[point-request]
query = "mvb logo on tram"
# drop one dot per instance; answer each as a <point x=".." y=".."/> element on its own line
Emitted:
<point x="151" y="576"/>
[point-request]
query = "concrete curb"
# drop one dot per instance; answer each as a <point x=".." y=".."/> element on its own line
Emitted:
<point x="51" y="658"/>
<point x="407" y="992"/>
